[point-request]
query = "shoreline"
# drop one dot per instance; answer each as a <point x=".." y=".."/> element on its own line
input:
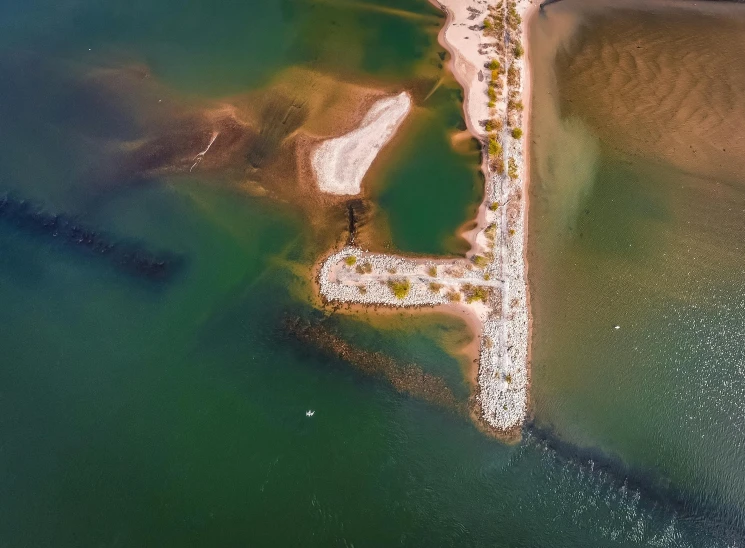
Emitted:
<point x="488" y="287"/>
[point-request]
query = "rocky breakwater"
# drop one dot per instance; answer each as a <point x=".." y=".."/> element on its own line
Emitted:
<point x="488" y="58"/>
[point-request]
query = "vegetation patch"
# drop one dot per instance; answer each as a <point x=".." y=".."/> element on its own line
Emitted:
<point x="453" y="296"/>
<point x="475" y="293"/>
<point x="517" y="133"/>
<point x="364" y="268"/>
<point x="493" y="125"/>
<point x="513" y="76"/>
<point x="512" y="168"/>
<point x="400" y="288"/>
<point x="494" y="147"/>
<point x="432" y="271"/>
<point x="351" y="260"/>
<point x="514" y="105"/>
<point x="480" y="261"/>
<point x="435" y="287"/>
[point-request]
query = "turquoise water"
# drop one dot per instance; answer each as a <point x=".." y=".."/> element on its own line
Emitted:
<point x="141" y="413"/>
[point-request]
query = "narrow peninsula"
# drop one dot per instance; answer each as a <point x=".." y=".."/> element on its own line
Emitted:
<point x="487" y="47"/>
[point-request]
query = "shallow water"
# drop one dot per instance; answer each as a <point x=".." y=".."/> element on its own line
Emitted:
<point x="636" y="221"/>
<point x="173" y="414"/>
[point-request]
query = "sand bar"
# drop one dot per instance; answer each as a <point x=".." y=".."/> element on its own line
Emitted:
<point x="339" y="164"/>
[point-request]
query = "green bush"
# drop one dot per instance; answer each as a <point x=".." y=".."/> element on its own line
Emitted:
<point x="434" y="287"/>
<point x="480" y="261"/>
<point x="400" y="288"/>
<point x="475" y="293"/>
<point x="492" y="93"/>
<point x="351" y="260"/>
<point x="493" y="207"/>
<point x="432" y="271"/>
<point x="493" y="64"/>
<point x="517" y="133"/>
<point x="494" y="147"/>
<point x="519" y="51"/>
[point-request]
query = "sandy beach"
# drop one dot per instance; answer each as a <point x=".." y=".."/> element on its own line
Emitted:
<point x="488" y="287"/>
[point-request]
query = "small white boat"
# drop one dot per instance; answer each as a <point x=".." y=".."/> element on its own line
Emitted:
<point x="309" y="413"/>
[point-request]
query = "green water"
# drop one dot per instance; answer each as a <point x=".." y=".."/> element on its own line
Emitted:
<point x="135" y="413"/>
<point x="424" y="202"/>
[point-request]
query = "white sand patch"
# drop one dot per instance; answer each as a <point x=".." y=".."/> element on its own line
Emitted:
<point x="339" y="164"/>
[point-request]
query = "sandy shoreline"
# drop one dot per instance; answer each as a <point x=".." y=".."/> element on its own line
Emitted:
<point x="487" y="288"/>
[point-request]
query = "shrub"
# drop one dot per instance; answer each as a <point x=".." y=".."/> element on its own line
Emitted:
<point x="494" y="75"/>
<point x="493" y="207"/>
<point x="491" y="231"/>
<point x="400" y="288"/>
<point x="475" y="293"/>
<point x="512" y="232"/>
<point x="512" y="168"/>
<point x="517" y="133"/>
<point x="494" y="147"/>
<point x="493" y="125"/>
<point x="493" y="64"/>
<point x="364" y="268"/>
<point x="514" y="105"/>
<point x="487" y="277"/>
<point x="492" y="93"/>
<point x="480" y="261"/>
<point x="362" y="289"/>
<point x="435" y="287"/>
<point x="513" y="76"/>
<point x="518" y="50"/>
<point x="492" y="104"/>
<point x="351" y="260"/>
<point x="488" y="24"/>
<point x="432" y="271"/>
<point x="453" y="296"/>
<point x="391" y="271"/>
